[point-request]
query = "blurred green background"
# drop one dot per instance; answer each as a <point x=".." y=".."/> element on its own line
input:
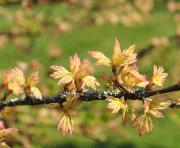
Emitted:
<point x="49" y="34"/>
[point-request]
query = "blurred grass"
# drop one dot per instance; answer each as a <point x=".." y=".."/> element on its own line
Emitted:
<point x="166" y="132"/>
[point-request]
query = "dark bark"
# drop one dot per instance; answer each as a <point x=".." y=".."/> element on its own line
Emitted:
<point x="90" y="95"/>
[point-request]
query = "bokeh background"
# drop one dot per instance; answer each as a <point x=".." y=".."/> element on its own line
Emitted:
<point x="35" y="34"/>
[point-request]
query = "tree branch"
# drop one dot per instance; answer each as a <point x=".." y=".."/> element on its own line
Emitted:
<point x="90" y="95"/>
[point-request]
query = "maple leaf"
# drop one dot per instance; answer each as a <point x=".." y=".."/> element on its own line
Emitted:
<point x="16" y="81"/>
<point x="77" y="77"/>
<point x="158" y="76"/>
<point x="116" y="53"/>
<point x="66" y="124"/>
<point x="61" y="73"/>
<point x="33" y="79"/>
<point x="152" y="108"/>
<point x="101" y="58"/>
<point x="128" y="56"/>
<point x="140" y="80"/>
<point x="90" y="81"/>
<point x="36" y="92"/>
<point x="119" y="58"/>
<point x="74" y="64"/>
<point x="130" y="77"/>
<point x="83" y="70"/>
<point x="144" y="124"/>
<point x="117" y="104"/>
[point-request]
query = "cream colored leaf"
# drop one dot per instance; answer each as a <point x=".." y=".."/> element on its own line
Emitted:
<point x="144" y="124"/>
<point x="16" y="81"/>
<point x="36" y="93"/>
<point x="61" y="73"/>
<point x="128" y="56"/>
<point x="101" y="58"/>
<point x="117" y="104"/>
<point x="74" y="63"/>
<point x="17" y="75"/>
<point x="116" y="52"/>
<point x="66" y="124"/>
<point x="65" y="79"/>
<point x="17" y="90"/>
<point x="159" y="76"/>
<point x="84" y="69"/>
<point x="90" y="81"/>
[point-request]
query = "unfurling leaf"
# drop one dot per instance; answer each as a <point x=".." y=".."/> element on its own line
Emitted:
<point x="61" y="73"/>
<point x="116" y="104"/>
<point x="16" y="81"/>
<point x="66" y="124"/>
<point x="130" y="77"/>
<point x="155" y="105"/>
<point x="116" y="52"/>
<point x="74" y="63"/>
<point x="90" y="81"/>
<point x="152" y="108"/>
<point x="101" y="58"/>
<point x="127" y="56"/>
<point x="36" y="93"/>
<point x="144" y="124"/>
<point x="159" y="76"/>
<point x="78" y="77"/>
<point x="18" y="85"/>
<point x="119" y="58"/>
<point x="33" y="79"/>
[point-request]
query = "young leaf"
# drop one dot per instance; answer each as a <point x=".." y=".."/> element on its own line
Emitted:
<point x="159" y="76"/>
<point x="16" y="81"/>
<point x="66" y="124"/>
<point x="101" y="58"/>
<point x="117" y="104"/>
<point x="36" y="93"/>
<point x="90" y="81"/>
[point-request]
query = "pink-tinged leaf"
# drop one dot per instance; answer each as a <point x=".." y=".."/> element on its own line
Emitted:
<point x="101" y="58"/>
<point x="66" y="124"/>
<point x="33" y="79"/>
<point x="116" y="52"/>
<point x="1" y="125"/>
<point x="16" y="81"/>
<point x="5" y="132"/>
<point x="74" y="63"/>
